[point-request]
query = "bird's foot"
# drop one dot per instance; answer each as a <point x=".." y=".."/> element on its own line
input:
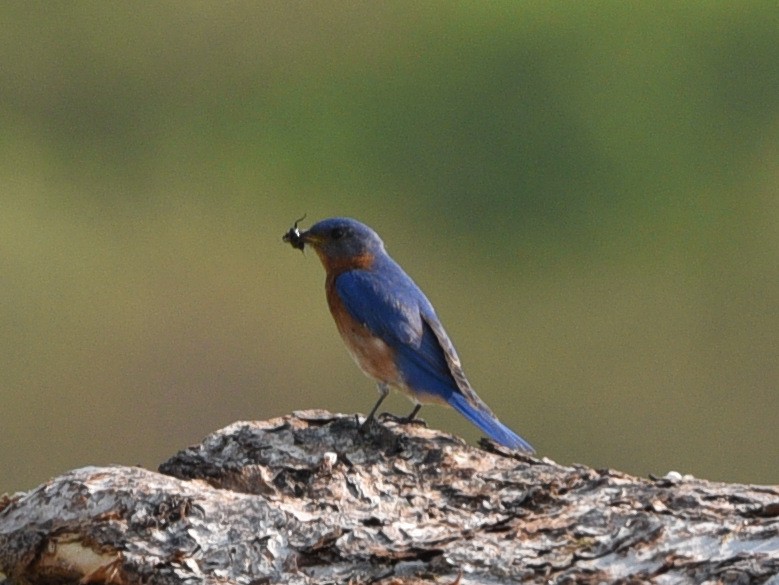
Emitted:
<point x="402" y="420"/>
<point x="364" y="426"/>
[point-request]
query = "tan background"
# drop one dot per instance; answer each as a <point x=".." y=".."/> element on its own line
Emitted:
<point x="586" y="191"/>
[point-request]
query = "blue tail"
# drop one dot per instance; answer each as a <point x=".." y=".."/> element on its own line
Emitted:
<point x="488" y="423"/>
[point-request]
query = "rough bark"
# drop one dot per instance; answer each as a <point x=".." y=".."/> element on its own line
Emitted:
<point x="309" y="499"/>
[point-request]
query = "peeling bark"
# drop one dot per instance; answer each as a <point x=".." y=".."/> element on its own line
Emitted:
<point x="308" y="499"/>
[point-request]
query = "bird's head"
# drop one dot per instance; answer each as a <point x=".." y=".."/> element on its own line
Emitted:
<point x="340" y="242"/>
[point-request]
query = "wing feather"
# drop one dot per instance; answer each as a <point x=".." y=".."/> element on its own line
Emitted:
<point x="387" y="313"/>
<point x="396" y="310"/>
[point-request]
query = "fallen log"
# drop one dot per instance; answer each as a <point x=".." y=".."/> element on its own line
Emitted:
<point x="308" y="498"/>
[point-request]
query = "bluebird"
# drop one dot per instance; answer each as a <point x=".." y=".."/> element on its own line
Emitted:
<point x="390" y="328"/>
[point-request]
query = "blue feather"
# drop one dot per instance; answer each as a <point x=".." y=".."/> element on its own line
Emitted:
<point x="489" y="424"/>
<point x="392" y="307"/>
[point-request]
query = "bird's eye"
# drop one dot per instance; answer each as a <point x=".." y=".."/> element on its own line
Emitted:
<point x="337" y="233"/>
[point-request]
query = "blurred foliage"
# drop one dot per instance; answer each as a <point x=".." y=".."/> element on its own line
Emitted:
<point x="587" y="192"/>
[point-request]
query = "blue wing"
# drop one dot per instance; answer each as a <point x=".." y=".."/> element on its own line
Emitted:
<point x="393" y="307"/>
<point x="384" y="302"/>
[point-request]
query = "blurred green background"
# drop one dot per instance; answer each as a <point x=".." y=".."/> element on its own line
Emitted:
<point x="586" y="191"/>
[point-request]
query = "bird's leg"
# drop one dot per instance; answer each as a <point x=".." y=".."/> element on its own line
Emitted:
<point x="404" y="420"/>
<point x="383" y="392"/>
<point x="411" y="416"/>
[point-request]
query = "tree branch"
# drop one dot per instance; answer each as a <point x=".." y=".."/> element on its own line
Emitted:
<point x="308" y="499"/>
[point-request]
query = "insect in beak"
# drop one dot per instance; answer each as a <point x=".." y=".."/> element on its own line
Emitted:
<point x="293" y="236"/>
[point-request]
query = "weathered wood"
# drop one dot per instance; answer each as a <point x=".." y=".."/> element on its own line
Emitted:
<point x="309" y="499"/>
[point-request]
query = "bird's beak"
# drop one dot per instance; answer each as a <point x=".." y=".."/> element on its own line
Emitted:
<point x="311" y="239"/>
<point x="297" y="239"/>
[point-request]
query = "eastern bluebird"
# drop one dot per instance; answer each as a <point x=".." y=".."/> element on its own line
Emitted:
<point x="390" y="328"/>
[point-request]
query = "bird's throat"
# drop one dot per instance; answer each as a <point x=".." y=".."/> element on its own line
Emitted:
<point x="336" y="265"/>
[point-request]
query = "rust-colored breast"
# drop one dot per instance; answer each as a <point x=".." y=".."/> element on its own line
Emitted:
<point x="335" y="266"/>
<point x="373" y="356"/>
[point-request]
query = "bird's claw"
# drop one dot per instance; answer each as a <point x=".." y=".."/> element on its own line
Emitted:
<point x="402" y="420"/>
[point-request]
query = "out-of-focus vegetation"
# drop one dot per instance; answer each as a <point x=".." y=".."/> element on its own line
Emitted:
<point x="586" y="191"/>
